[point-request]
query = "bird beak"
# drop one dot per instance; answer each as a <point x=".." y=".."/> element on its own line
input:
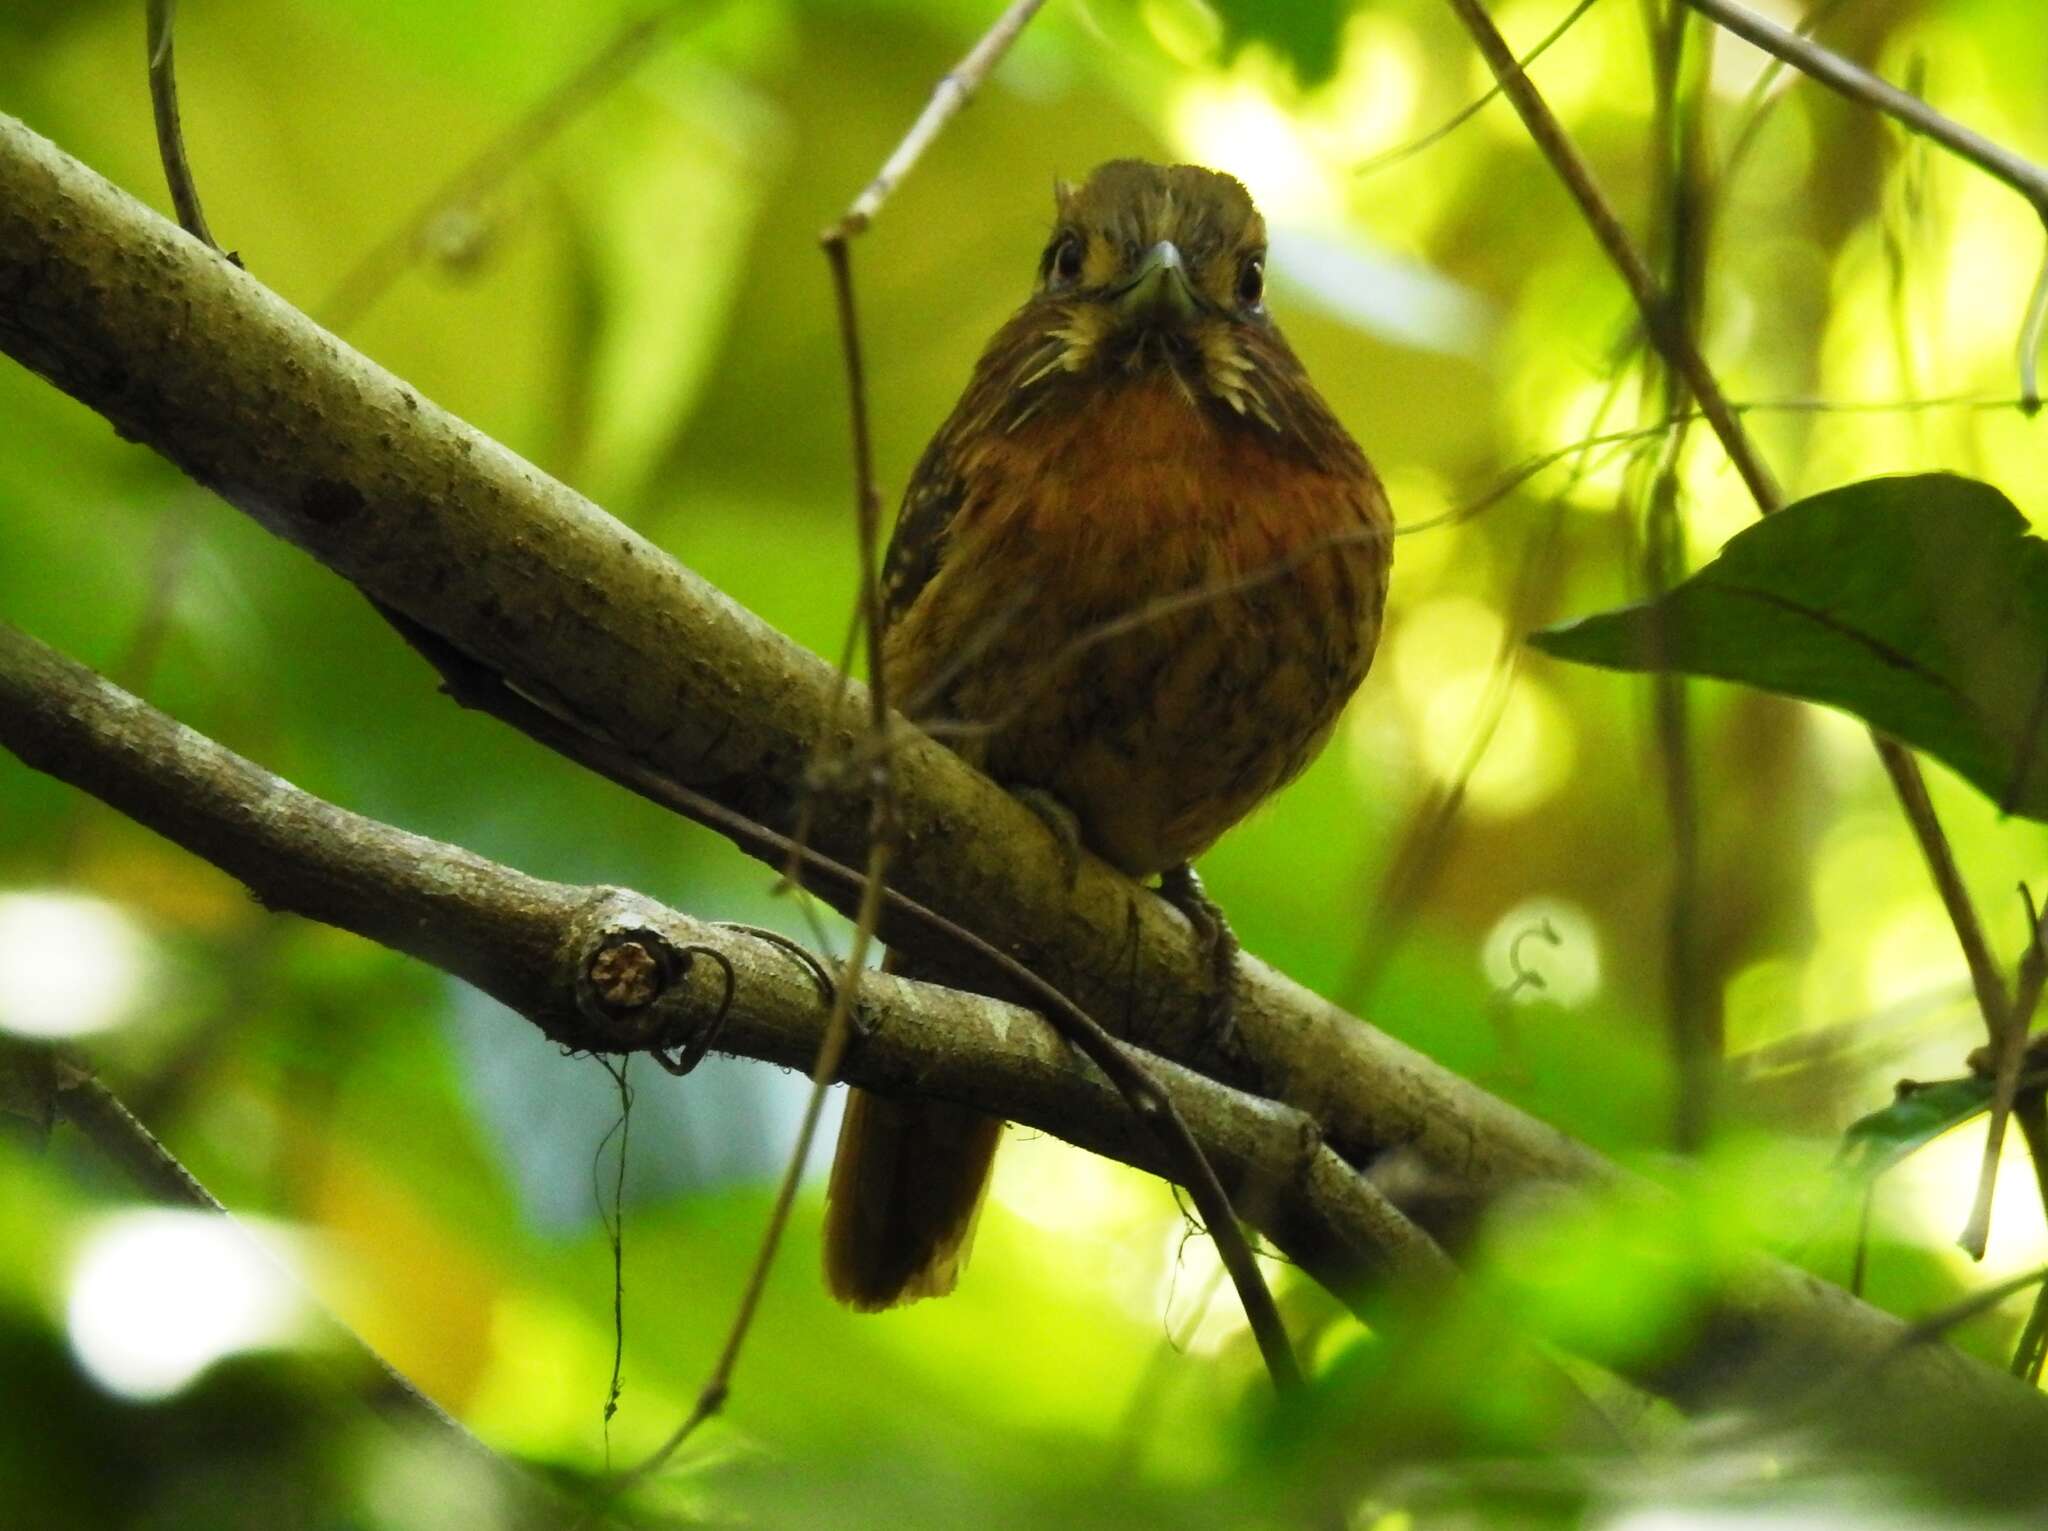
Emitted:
<point x="1160" y="291"/>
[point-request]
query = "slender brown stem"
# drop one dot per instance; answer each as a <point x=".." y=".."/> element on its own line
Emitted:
<point x="1666" y="331"/>
<point x="1822" y="63"/>
<point x="881" y="844"/>
<point x="170" y="131"/>
<point x="1859" y="84"/>
<point x="2008" y="1040"/>
<point x="824" y="1072"/>
<point x="948" y="97"/>
<point x="1671" y="337"/>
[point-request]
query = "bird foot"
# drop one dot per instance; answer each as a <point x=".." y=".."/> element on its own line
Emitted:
<point x="1181" y="888"/>
<point x="1059" y="819"/>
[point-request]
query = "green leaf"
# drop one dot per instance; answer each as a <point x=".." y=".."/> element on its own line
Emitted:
<point x="1918" y="604"/>
<point x="1922" y="1112"/>
<point x="1304" y="32"/>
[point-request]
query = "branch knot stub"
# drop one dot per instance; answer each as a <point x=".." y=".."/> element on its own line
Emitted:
<point x="628" y="973"/>
<point x="620" y="965"/>
<point x="630" y="981"/>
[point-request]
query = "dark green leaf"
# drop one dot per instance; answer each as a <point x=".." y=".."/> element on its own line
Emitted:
<point x="1921" y="1113"/>
<point x="1304" y="32"/>
<point x="1918" y="604"/>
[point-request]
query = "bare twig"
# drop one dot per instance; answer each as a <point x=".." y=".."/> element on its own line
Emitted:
<point x="170" y="132"/>
<point x="384" y="262"/>
<point x="1394" y="156"/>
<point x="1673" y="340"/>
<point x="948" y="97"/>
<point x="1859" y="84"/>
<point x="825" y="1067"/>
<point x="2008" y="1041"/>
<point x="1682" y="215"/>
<point x="882" y="833"/>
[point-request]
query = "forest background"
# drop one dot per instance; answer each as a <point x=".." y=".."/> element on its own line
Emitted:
<point x="595" y="239"/>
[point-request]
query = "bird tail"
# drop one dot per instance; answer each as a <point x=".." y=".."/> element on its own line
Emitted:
<point x="907" y="1186"/>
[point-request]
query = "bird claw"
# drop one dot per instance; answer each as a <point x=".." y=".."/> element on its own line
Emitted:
<point x="1059" y="820"/>
<point x="1181" y="888"/>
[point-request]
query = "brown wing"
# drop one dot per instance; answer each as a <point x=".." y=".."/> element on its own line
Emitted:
<point x="922" y="528"/>
<point x="1011" y="382"/>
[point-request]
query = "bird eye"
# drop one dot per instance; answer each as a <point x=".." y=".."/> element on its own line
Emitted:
<point x="1251" y="282"/>
<point x="1063" y="260"/>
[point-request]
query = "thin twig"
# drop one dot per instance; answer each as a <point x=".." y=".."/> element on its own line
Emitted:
<point x="1682" y="219"/>
<point x="882" y="833"/>
<point x="1470" y="109"/>
<point x="831" y="1053"/>
<point x="170" y="132"/>
<point x="614" y="1221"/>
<point x="1672" y="339"/>
<point x="948" y="96"/>
<point x="371" y="276"/>
<point x="2007" y="1040"/>
<point x="1859" y="84"/>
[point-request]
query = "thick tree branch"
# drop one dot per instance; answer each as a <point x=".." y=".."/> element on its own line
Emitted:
<point x="608" y="969"/>
<point x="605" y="969"/>
<point x="183" y="352"/>
<point x="199" y="360"/>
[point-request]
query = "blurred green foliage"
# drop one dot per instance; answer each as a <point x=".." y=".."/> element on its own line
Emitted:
<point x="636" y="304"/>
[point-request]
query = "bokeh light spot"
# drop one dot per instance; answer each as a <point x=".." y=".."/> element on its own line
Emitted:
<point x="1234" y="126"/>
<point x="1527" y="759"/>
<point x="1569" y="967"/>
<point x="69" y="964"/>
<point x="1442" y="641"/>
<point x="158" y="1296"/>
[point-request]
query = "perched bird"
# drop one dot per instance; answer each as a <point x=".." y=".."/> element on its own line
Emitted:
<point x="1135" y="578"/>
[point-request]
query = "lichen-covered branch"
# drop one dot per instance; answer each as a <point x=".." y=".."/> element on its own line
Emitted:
<point x="197" y="359"/>
<point x="182" y="351"/>
<point x="606" y="969"/>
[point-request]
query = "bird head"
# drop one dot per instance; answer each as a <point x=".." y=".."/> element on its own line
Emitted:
<point x="1157" y="247"/>
<point x="1154" y="270"/>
